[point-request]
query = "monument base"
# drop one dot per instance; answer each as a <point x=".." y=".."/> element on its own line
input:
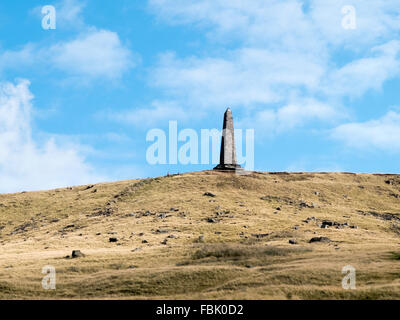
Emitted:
<point x="228" y="167"/>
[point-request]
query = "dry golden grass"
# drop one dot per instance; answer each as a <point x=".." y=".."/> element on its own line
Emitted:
<point x="245" y="254"/>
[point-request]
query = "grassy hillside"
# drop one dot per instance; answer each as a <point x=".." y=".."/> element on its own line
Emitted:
<point x="175" y="242"/>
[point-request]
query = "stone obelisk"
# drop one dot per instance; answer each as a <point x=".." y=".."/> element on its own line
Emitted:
<point x="227" y="159"/>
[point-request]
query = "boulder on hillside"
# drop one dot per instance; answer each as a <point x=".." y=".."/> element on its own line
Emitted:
<point x="77" y="254"/>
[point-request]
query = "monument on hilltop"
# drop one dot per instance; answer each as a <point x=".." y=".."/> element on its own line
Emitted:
<point x="227" y="159"/>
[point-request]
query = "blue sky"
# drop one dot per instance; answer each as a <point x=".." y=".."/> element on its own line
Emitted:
<point x="77" y="102"/>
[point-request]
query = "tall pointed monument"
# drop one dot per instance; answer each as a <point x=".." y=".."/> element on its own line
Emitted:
<point x="227" y="159"/>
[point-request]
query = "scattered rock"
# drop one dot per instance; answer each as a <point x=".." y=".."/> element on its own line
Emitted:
<point x="164" y="241"/>
<point x="145" y="241"/>
<point x="132" y="267"/>
<point x="319" y="239"/>
<point x="383" y="216"/>
<point x="291" y="241"/>
<point x="209" y="194"/>
<point x="309" y="219"/>
<point x="162" y="231"/>
<point x="103" y="212"/>
<point x="260" y="235"/>
<point x="329" y="223"/>
<point x="211" y="220"/>
<point x="172" y="236"/>
<point x="174" y="209"/>
<point x="303" y="204"/>
<point x="113" y="239"/>
<point x="77" y="254"/>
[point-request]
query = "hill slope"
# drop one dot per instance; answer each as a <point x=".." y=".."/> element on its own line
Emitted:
<point x="173" y="241"/>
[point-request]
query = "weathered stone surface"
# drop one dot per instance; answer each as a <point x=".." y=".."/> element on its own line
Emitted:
<point x="260" y="235"/>
<point x="320" y="239"/>
<point x="77" y="254"/>
<point x="209" y="194"/>
<point x="162" y="231"/>
<point x="227" y="159"/>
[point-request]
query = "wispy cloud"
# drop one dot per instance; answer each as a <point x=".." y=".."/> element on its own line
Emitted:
<point x="296" y="24"/>
<point x="376" y="134"/>
<point x="157" y="112"/>
<point x="364" y="74"/>
<point x="89" y="54"/>
<point x="26" y="164"/>
<point x="279" y="50"/>
<point x="96" y="53"/>
<point x="244" y="77"/>
<point x="70" y="13"/>
<point x="291" y="116"/>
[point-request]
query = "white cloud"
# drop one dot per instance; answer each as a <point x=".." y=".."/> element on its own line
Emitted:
<point x="376" y="20"/>
<point x="279" y="50"/>
<point x="90" y="54"/>
<point x="69" y="13"/>
<point x="291" y="116"/>
<point x="96" y="53"/>
<point x="150" y="116"/>
<point x="93" y="54"/>
<point x="287" y="22"/>
<point x="26" y="164"/>
<point x="382" y="134"/>
<point x="253" y="22"/>
<point x="247" y="76"/>
<point x="359" y="76"/>
<point x="17" y="58"/>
